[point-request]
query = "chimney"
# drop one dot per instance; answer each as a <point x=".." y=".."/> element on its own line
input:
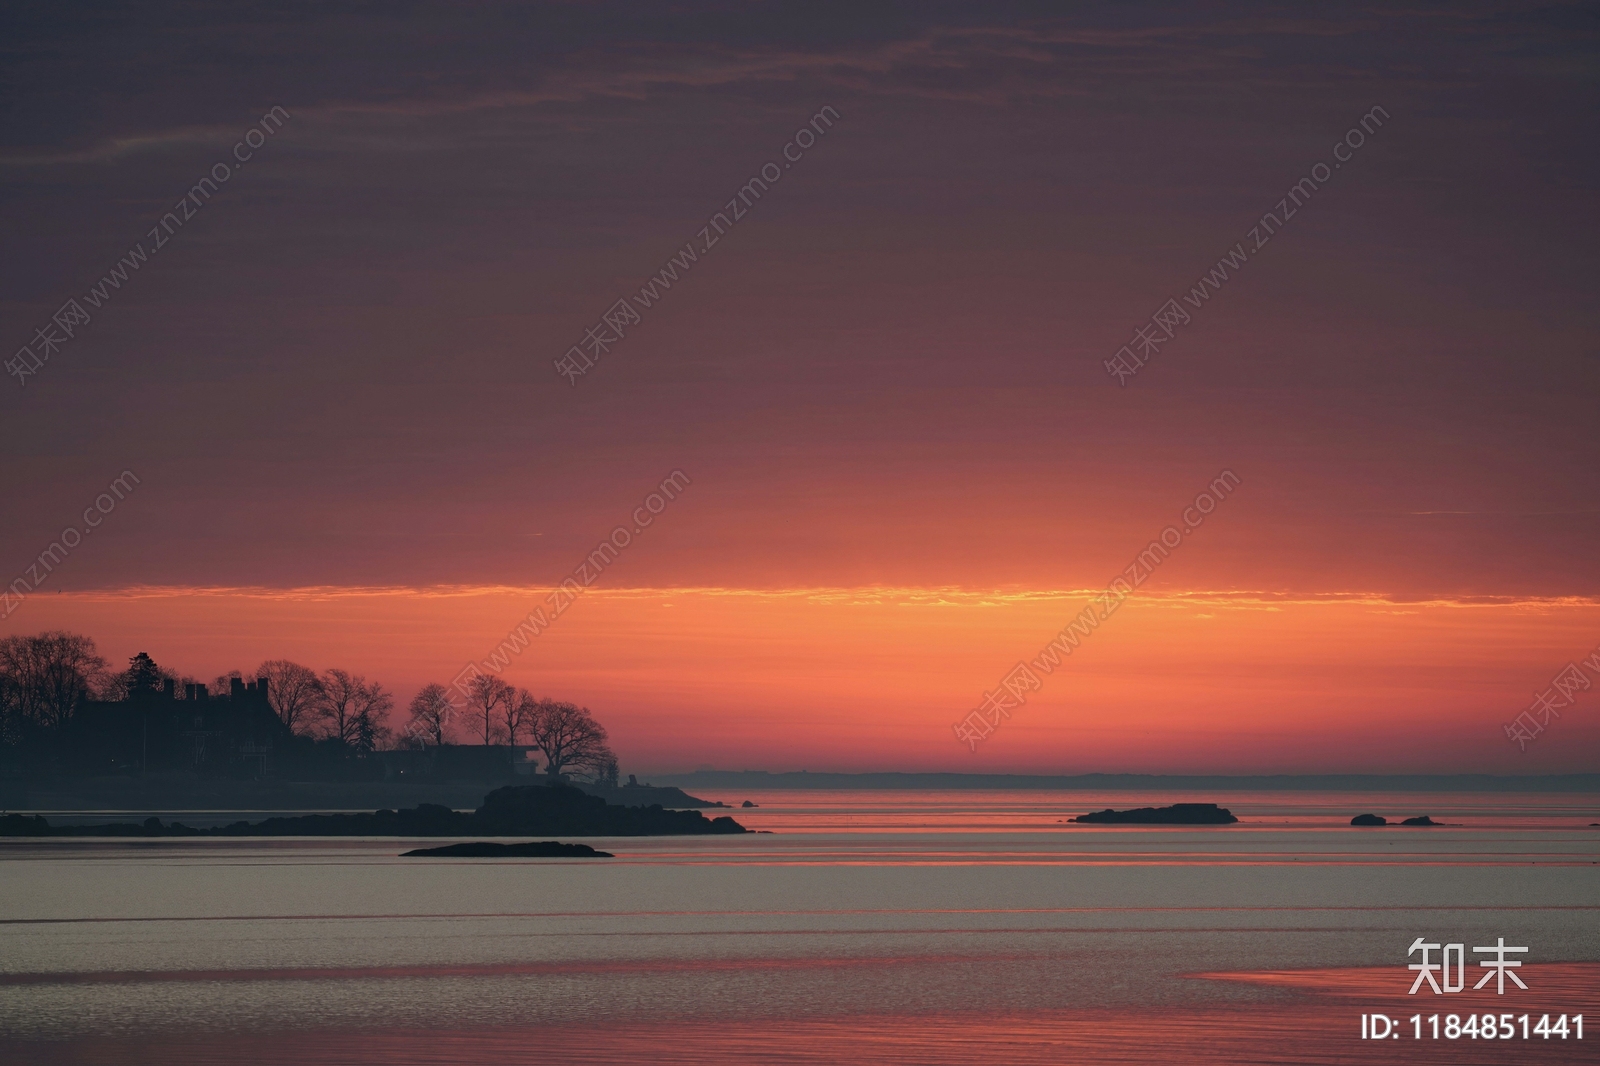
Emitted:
<point x="261" y="688"/>
<point x="236" y="687"/>
<point x="201" y="692"/>
<point x="188" y="692"/>
<point x="168" y="687"/>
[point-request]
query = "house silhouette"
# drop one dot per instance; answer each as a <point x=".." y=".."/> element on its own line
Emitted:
<point x="152" y="730"/>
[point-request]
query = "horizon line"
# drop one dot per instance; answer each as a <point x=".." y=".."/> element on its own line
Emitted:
<point x="870" y="594"/>
<point x="780" y="778"/>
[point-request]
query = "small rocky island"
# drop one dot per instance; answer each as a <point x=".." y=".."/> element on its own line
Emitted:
<point x="513" y="811"/>
<point x="1177" y="814"/>
<point x="534" y="849"/>
<point x="1378" y="819"/>
<point x="633" y="794"/>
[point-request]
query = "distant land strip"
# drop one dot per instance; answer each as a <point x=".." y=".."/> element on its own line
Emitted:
<point x="1498" y="908"/>
<point x="802" y="779"/>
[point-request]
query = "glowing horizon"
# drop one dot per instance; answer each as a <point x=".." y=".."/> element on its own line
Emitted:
<point x="873" y="677"/>
<point x="845" y="468"/>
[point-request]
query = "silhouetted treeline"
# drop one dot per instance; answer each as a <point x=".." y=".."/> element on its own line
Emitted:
<point x="567" y="735"/>
<point x="62" y="707"/>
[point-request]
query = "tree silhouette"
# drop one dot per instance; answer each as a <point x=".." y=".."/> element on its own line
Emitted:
<point x="604" y="770"/>
<point x="353" y="710"/>
<point x="143" y="674"/>
<point x="517" y="711"/>
<point x="430" y="714"/>
<point x="11" y="726"/>
<point x="569" y="738"/>
<point x="292" y="690"/>
<point x="222" y="684"/>
<point x="371" y="733"/>
<point x="486" y="695"/>
<point x="47" y="676"/>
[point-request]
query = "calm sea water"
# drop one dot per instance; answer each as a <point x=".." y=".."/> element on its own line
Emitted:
<point x="870" y="927"/>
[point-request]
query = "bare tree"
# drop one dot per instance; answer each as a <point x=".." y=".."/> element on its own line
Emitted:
<point x="292" y="690"/>
<point x="430" y="714"/>
<point x="336" y="705"/>
<point x="486" y="695"/>
<point x="354" y="710"/>
<point x="604" y="770"/>
<point x="569" y="738"/>
<point x="47" y="677"/>
<point x="11" y="726"/>
<point x="372" y="730"/>
<point x="517" y="712"/>
<point x="73" y="671"/>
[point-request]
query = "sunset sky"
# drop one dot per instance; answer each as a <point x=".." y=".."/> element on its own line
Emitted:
<point x="886" y="381"/>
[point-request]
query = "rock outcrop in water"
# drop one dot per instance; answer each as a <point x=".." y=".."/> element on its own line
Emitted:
<point x="1378" y="819"/>
<point x="636" y="795"/>
<point x="1177" y="814"/>
<point x="516" y="810"/>
<point x="539" y="849"/>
